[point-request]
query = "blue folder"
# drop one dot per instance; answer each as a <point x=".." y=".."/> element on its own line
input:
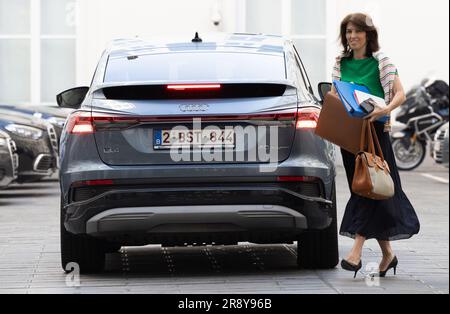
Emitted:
<point x="346" y="92"/>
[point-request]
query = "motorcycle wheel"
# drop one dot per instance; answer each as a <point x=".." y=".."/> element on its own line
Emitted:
<point x="408" y="158"/>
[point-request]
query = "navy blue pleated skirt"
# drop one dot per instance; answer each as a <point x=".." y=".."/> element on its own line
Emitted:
<point x="386" y="220"/>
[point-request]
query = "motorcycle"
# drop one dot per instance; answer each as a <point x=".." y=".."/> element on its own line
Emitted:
<point x="420" y="116"/>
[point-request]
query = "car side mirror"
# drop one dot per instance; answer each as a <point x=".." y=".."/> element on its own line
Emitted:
<point x="72" y="98"/>
<point x="324" y="88"/>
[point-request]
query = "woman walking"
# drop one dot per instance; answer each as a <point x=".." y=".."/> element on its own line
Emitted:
<point x="387" y="220"/>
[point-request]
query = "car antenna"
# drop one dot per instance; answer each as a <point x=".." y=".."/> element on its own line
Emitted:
<point x="196" y="38"/>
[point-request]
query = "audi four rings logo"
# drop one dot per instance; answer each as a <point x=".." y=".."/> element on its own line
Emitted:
<point x="194" y="108"/>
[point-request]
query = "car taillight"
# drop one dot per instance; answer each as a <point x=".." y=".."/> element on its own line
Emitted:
<point x="98" y="182"/>
<point x="307" y="118"/>
<point x="93" y="183"/>
<point x="80" y="123"/>
<point x="182" y="87"/>
<point x="88" y="123"/>
<point x="296" y="179"/>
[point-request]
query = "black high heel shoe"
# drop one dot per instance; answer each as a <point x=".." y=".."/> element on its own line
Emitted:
<point x="351" y="267"/>
<point x="392" y="264"/>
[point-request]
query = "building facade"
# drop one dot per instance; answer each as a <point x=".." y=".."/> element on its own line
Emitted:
<point x="47" y="46"/>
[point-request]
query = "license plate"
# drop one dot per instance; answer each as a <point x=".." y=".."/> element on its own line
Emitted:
<point x="167" y="139"/>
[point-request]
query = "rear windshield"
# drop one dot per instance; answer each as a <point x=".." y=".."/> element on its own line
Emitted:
<point x="197" y="66"/>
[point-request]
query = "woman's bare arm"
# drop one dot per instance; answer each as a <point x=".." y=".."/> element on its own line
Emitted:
<point x="398" y="99"/>
<point x="399" y="95"/>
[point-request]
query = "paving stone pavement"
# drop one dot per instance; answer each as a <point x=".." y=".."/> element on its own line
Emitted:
<point x="30" y="260"/>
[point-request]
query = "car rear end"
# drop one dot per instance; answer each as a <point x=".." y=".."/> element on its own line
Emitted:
<point x="215" y="147"/>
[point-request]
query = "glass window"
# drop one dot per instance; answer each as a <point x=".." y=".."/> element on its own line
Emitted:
<point x="15" y="70"/>
<point x="263" y="16"/>
<point x="308" y="17"/>
<point x="294" y="74"/>
<point x="192" y="67"/>
<point x="312" y="52"/>
<point x="14" y="17"/>
<point x="57" y="67"/>
<point x="58" y="17"/>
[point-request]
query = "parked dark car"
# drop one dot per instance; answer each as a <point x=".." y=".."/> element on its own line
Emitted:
<point x="36" y="145"/>
<point x="9" y="160"/>
<point x="121" y="185"/>
<point x="54" y="115"/>
<point x="440" y="146"/>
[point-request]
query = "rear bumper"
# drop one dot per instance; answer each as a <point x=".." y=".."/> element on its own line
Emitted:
<point x="222" y="208"/>
<point x="194" y="219"/>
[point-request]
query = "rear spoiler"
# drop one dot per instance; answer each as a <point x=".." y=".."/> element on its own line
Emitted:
<point x="144" y="91"/>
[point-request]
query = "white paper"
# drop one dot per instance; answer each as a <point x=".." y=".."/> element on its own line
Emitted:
<point x="361" y="96"/>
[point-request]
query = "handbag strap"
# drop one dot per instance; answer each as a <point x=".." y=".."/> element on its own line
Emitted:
<point x="375" y="136"/>
<point x="362" y="143"/>
<point x="371" y="148"/>
<point x="369" y="138"/>
<point x="366" y="142"/>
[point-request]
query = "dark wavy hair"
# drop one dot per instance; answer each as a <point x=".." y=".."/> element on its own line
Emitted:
<point x="364" y="23"/>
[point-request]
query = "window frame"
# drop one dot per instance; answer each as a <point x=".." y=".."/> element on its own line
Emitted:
<point x="303" y="70"/>
<point x="275" y="66"/>
<point x="35" y="38"/>
<point x="287" y="14"/>
<point x="36" y="95"/>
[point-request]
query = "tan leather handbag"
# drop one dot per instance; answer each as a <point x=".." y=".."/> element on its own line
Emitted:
<point x="372" y="178"/>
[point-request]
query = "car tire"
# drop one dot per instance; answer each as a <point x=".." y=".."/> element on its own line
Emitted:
<point x="111" y="247"/>
<point x="82" y="251"/>
<point x="29" y="179"/>
<point x="319" y="249"/>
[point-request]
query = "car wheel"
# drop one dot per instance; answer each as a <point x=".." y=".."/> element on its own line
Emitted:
<point x="29" y="179"/>
<point x="111" y="247"/>
<point x="87" y="252"/>
<point x="319" y="249"/>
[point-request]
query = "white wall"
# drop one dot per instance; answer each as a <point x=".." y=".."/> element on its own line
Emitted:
<point x="100" y="21"/>
<point x="414" y="33"/>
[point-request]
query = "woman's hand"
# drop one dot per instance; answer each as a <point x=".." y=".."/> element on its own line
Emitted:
<point x="397" y="100"/>
<point x="377" y="113"/>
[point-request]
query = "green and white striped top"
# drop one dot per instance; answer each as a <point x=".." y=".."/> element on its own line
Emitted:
<point x="388" y="72"/>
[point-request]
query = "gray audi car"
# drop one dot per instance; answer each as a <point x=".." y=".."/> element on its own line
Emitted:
<point x="197" y="141"/>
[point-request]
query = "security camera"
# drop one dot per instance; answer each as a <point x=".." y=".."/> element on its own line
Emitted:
<point x="216" y="18"/>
